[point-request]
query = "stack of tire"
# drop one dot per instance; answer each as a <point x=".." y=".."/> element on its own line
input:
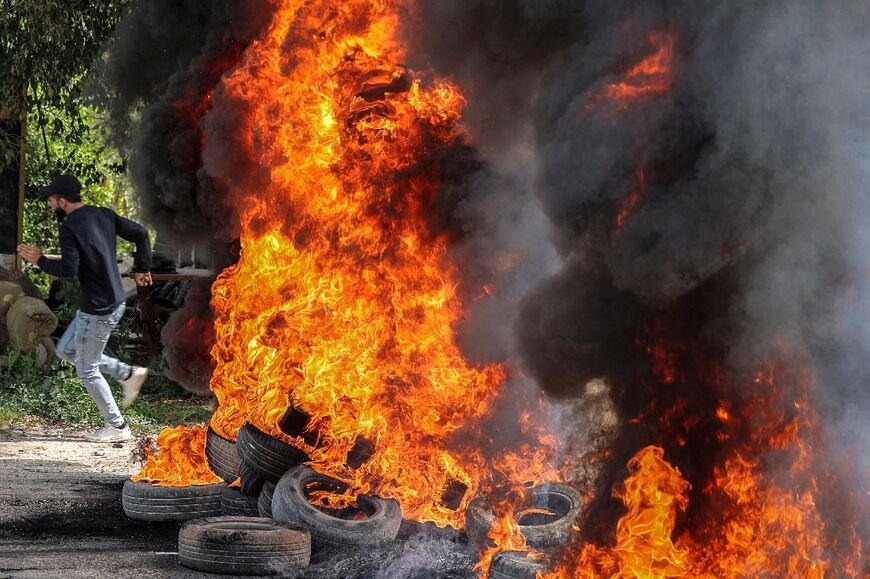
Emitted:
<point x="556" y="511"/>
<point x="274" y="483"/>
<point x="223" y="532"/>
<point x="224" y="460"/>
<point x="273" y="471"/>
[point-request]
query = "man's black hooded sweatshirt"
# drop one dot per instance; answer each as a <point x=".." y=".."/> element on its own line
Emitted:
<point x="88" y="251"/>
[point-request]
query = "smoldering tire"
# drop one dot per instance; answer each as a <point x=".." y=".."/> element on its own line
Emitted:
<point x="269" y="456"/>
<point x="222" y="456"/>
<point x="264" y="501"/>
<point x="236" y="503"/>
<point x="328" y="529"/>
<point x="543" y="532"/>
<point x="515" y="565"/>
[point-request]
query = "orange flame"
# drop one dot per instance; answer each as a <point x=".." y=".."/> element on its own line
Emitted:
<point x="758" y="525"/>
<point x="504" y="534"/>
<point x="653" y="494"/>
<point x="343" y="303"/>
<point x="650" y="77"/>
<point x="632" y="201"/>
<point x="179" y="460"/>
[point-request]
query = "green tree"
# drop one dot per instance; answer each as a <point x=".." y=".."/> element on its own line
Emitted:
<point x="90" y="155"/>
<point x="47" y="50"/>
<point x="47" y="47"/>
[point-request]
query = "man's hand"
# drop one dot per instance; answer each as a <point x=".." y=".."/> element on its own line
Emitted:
<point x="30" y="253"/>
<point x="143" y="279"/>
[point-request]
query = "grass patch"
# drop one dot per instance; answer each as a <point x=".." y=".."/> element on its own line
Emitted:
<point x="57" y="394"/>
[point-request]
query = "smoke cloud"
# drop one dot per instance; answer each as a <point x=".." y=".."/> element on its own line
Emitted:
<point x="750" y="173"/>
<point x="730" y="203"/>
<point x="163" y="69"/>
<point x="168" y="57"/>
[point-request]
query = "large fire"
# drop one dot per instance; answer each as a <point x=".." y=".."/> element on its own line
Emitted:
<point x="344" y="301"/>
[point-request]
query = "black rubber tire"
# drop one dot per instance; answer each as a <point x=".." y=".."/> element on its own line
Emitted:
<point x="268" y="456"/>
<point x="264" y="501"/>
<point x="515" y="565"/>
<point x="243" y="546"/>
<point x="147" y="502"/>
<point x="289" y="503"/>
<point x="236" y="504"/>
<point x="544" y="537"/>
<point x="222" y="456"/>
<point x="250" y="480"/>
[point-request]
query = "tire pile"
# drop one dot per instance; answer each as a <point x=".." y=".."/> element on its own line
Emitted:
<point x="260" y="520"/>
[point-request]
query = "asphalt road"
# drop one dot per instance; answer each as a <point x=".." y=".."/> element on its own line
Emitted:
<point x="61" y="517"/>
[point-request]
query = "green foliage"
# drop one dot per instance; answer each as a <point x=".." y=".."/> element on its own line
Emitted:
<point x="56" y="146"/>
<point x="58" y="395"/>
<point x="48" y="50"/>
<point x="52" y="45"/>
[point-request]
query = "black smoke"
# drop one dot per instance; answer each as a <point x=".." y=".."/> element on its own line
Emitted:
<point x="163" y="68"/>
<point x="750" y="230"/>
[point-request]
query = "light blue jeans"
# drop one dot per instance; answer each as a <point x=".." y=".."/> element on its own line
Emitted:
<point x="82" y="344"/>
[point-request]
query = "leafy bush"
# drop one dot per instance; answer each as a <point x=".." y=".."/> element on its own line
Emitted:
<point x="57" y="394"/>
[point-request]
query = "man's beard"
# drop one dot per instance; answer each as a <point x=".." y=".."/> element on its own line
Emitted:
<point x="59" y="214"/>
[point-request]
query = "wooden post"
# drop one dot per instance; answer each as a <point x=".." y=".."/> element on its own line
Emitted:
<point x="149" y="320"/>
<point x="22" y="170"/>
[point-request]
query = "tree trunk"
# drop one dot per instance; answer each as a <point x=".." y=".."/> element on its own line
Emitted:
<point x="11" y="189"/>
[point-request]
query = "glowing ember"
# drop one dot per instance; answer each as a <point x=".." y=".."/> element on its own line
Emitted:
<point x="179" y="460"/>
<point x="343" y="302"/>
<point x="650" y="77"/>
<point x="631" y="203"/>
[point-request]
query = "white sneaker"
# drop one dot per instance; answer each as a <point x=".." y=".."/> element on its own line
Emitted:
<point x="109" y="433"/>
<point x="133" y="384"/>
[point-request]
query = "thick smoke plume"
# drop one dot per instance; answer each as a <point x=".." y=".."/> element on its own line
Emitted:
<point x="750" y="170"/>
<point x="187" y="339"/>
<point x="169" y="56"/>
<point x="163" y="67"/>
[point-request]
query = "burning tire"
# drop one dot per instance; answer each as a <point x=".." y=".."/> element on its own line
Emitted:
<point x="269" y="456"/>
<point x="243" y="546"/>
<point x="333" y="528"/>
<point x="551" y="529"/>
<point x="250" y="480"/>
<point x="515" y="565"/>
<point x="264" y="502"/>
<point x="222" y="456"/>
<point x="147" y="502"/>
<point x="235" y="503"/>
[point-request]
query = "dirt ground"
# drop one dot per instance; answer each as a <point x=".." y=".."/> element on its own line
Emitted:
<point x="61" y="517"/>
<point x="60" y="510"/>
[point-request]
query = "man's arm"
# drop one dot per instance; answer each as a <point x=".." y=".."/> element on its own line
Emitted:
<point x="135" y="233"/>
<point x="68" y="264"/>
